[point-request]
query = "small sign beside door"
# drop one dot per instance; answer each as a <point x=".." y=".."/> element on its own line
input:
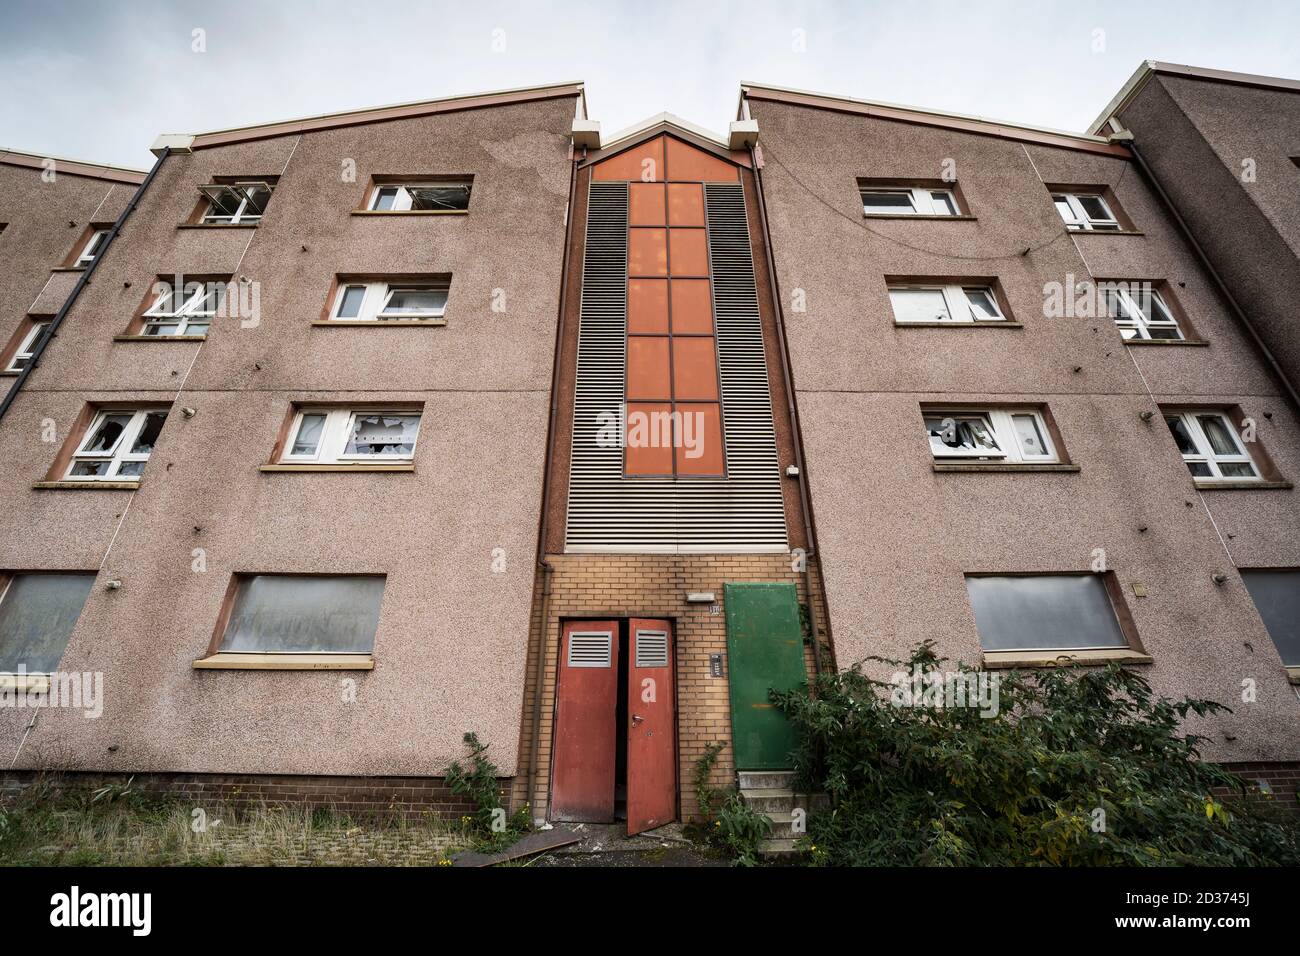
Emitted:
<point x="715" y="665"/>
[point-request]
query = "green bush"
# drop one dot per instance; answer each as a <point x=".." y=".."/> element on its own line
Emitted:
<point x="490" y="824"/>
<point x="1079" y="766"/>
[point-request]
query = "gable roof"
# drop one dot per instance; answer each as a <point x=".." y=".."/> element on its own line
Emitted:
<point x="926" y="117"/>
<point x="73" y="167"/>
<point x="374" y="114"/>
<point x="1149" y="68"/>
<point x="660" y="124"/>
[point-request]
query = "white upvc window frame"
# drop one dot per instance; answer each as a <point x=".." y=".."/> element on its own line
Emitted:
<point x="925" y="200"/>
<point x="336" y="433"/>
<point x="26" y="350"/>
<point x="245" y="208"/>
<point x="120" y="454"/>
<point x="956" y="299"/>
<point x="1138" y="324"/>
<point x="403" y="201"/>
<point x="90" y="251"/>
<point x="378" y="295"/>
<point x="1000" y="424"/>
<point x="1079" y="219"/>
<point x="198" y="307"/>
<point x="1205" y="455"/>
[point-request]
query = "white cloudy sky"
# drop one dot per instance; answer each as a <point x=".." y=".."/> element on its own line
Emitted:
<point x="99" y="80"/>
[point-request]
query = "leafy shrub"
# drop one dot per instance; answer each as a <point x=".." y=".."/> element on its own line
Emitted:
<point x="479" y="781"/>
<point x="739" y="829"/>
<point x="1079" y="766"/>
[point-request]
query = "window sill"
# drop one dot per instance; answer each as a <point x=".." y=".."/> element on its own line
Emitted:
<point x="1242" y="485"/>
<point x="988" y="324"/>
<point x="73" y="484"/>
<point x="929" y="216"/>
<point x="218" y="225"/>
<point x="1293" y="674"/>
<point x="410" y="212"/>
<point x="1105" y="232"/>
<point x="944" y="466"/>
<point x="69" y="269"/>
<point x="371" y="323"/>
<point x="285" y="662"/>
<point x="38" y="683"/>
<point x="1165" y="342"/>
<point x="159" y="338"/>
<point x="996" y="660"/>
<point x="9" y="373"/>
<point x="408" y="466"/>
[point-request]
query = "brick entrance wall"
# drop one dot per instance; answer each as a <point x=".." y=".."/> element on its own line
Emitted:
<point x="653" y="586"/>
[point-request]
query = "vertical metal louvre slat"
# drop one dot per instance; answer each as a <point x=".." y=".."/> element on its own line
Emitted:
<point x="743" y="511"/>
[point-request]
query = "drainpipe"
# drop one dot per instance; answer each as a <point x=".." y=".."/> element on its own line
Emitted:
<point x="1126" y="137"/>
<point x="791" y="410"/>
<point x="539" y="671"/>
<point x="82" y="282"/>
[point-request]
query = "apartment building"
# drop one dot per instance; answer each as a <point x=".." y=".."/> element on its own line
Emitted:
<point x="377" y="428"/>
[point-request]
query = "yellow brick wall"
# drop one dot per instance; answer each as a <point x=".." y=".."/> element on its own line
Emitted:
<point x="653" y="586"/>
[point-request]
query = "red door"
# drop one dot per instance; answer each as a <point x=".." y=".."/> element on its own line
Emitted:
<point x="651" y="732"/>
<point x="582" y="774"/>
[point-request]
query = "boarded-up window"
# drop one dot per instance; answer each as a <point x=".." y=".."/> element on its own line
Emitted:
<point x="301" y="614"/>
<point x="1276" y="594"/>
<point x="37" y="615"/>
<point x="1044" y="612"/>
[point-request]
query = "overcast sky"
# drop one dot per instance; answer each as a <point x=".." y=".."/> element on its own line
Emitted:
<point x="99" y="81"/>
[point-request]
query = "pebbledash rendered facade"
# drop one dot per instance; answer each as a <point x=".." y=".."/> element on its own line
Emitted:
<point x="342" y="437"/>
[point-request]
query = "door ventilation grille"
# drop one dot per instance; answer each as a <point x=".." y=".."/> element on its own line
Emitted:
<point x="651" y="648"/>
<point x="591" y="649"/>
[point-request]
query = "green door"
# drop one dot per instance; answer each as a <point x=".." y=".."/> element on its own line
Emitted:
<point x="765" y="650"/>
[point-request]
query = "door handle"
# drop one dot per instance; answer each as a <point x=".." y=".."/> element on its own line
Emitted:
<point x="637" y="718"/>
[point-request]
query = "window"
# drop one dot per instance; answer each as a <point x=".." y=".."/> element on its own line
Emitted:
<point x="1012" y="435"/>
<point x="187" y="311"/>
<point x="1139" y="310"/>
<point x="28" y="346"/>
<point x="236" y="203"/>
<point x="420" y="197"/>
<point x="1276" y="594"/>
<point x="303" y="614"/>
<point x="389" y="301"/>
<point x="91" y="249"/>
<point x="341" y="436"/>
<point x="944" y="303"/>
<point x="117" y="444"/>
<point x="37" y="615"/>
<point x="905" y="201"/>
<point x="1052" y="612"/>
<point x="1085" y="212"/>
<point x="1210" y="446"/>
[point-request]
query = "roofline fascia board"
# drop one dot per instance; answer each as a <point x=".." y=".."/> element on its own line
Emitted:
<point x="379" y="114"/>
<point x="74" y="167"/>
<point x="1149" y="68"/>
<point x="956" y="121"/>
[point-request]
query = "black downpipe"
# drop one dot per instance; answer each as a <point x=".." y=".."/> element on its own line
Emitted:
<point x="1214" y="273"/>
<point x="82" y="282"/>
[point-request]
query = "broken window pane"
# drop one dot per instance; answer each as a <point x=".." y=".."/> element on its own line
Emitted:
<point x="107" y="434"/>
<point x="449" y="196"/>
<point x="144" y="442"/>
<point x="37" y="615"/>
<point x="383" y="434"/>
<point x="1044" y="612"/>
<point x="302" y="614"/>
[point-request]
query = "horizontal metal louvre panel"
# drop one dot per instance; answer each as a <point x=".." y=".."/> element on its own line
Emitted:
<point x="651" y="648"/>
<point x="590" y="649"/>
<point x="744" y="511"/>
